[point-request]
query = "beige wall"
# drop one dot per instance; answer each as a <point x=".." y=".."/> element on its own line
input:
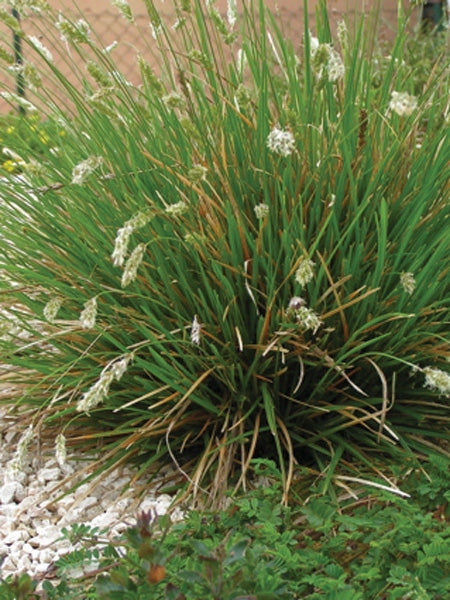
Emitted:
<point x="109" y="25"/>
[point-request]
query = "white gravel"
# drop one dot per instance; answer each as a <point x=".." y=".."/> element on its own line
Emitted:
<point x="31" y="517"/>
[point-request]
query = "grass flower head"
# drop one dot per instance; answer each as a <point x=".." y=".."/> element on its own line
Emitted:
<point x="231" y="13"/>
<point x="438" y="380"/>
<point x="305" y="271"/>
<point x="197" y="173"/>
<point x="15" y="99"/>
<point x="119" y="367"/>
<point x="17" y="464"/>
<point x="407" y="282"/>
<point x="174" y="100"/>
<point x="177" y="209"/>
<point x="52" y="307"/>
<point x="60" y="449"/>
<point x="281" y="141"/>
<point x="307" y="318"/>
<point x="75" y="32"/>
<point x="261" y="211"/>
<point x="121" y="245"/>
<point x="402" y="103"/>
<point x="335" y="66"/>
<point x="89" y="314"/>
<point x="132" y="265"/>
<point x="326" y="61"/>
<point x="123" y="235"/>
<point x="124" y="9"/>
<point x="39" y="46"/>
<point x="97" y="393"/>
<point x="83" y="169"/>
<point x="196" y="329"/>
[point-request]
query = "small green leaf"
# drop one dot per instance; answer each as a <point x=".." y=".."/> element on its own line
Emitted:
<point x="236" y="552"/>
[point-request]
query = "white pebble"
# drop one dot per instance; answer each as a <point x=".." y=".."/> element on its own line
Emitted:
<point x="86" y="503"/>
<point x="104" y="520"/>
<point x="23" y="564"/>
<point x="8" y="490"/>
<point x="46" y="536"/>
<point x="49" y="474"/>
<point x="41" y="567"/>
<point x="32" y="511"/>
<point x="15" y="536"/>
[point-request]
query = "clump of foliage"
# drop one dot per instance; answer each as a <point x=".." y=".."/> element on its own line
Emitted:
<point x="13" y="130"/>
<point x="245" y="254"/>
<point x="376" y="547"/>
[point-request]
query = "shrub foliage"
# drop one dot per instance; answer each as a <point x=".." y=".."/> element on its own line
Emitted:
<point x="245" y="253"/>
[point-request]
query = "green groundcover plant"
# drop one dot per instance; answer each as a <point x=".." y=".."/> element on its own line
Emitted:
<point x="243" y="254"/>
<point x="378" y="547"/>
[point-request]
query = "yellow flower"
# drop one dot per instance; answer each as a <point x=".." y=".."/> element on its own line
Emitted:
<point x="9" y="165"/>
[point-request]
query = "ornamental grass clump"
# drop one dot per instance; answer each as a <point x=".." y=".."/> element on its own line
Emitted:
<point x="243" y="254"/>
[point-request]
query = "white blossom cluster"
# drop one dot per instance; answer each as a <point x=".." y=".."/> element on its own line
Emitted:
<point x="75" y="32"/>
<point x="24" y="7"/>
<point x="18" y="461"/>
<point x="88" y="315"/>
<point x="139" y="220"/>
<point x="231" y="13"/>
<point x="97" y="393"/>
<point x="19" y="101"/>
<point x="121" y="248"/>
<point x="83" y="169"/>
<point x="52" y="307"/>
<point x="281" y="141"/>
<point x="132" y="265"/>
<point x="29" y="72"/>
<point x="306" y="317"/>
<point x="60" y="449"/>
<point x="173" y="100"/>
<point x="305" y="271"/>
<point x="196" y="330"/>
<point x="197" y="173"/>
<point x="261" y="211"/>
<point x="402" y="103"/>
<point x="121" y="245"/>
<point x="407" y="282"/>
<point x="124" y="9"/>
<point x="326" y="61"/>
<point x="437" y="380"/>
<point x="335" y="66"/>
<point x="39" y="46"/>
<point x="177" y="209"/>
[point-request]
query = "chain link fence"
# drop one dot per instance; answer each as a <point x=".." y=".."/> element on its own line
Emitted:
<point x="110" y="27"/>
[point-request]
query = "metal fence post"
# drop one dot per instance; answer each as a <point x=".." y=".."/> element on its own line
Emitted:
<point x="433" y="15"/>
<point x="18" y="58"/>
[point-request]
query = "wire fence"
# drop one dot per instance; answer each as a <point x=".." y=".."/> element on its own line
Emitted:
<point x="109" y="27"/>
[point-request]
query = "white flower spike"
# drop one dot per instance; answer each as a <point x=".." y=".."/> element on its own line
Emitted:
<point x="196" y="329"/>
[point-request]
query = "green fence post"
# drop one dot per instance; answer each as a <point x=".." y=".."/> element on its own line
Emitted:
<point x="18" y="58"/>
<point x="433" y="13"/>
